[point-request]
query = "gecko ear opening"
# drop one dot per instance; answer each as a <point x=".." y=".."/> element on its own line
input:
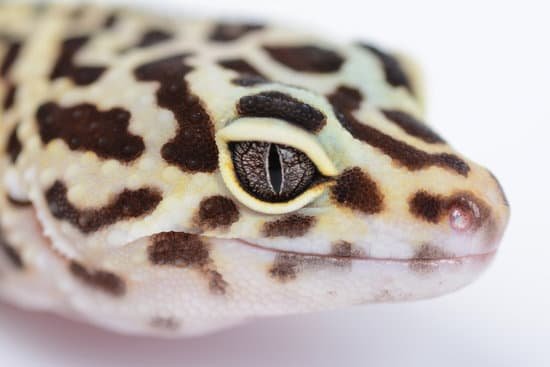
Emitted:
<point x="272" y="166"/>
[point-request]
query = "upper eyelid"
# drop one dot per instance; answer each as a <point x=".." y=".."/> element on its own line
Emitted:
<point x="279" y="132"/>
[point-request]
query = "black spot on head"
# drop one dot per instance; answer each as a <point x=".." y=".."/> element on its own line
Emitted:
<point x="426" y="206"/>
<point x="249" y="75"/>
<point x="395" y="75"/>
<point x="9" y="99"/>
<point x="127" y="204"/>
<point x="11" y="253"/>
<point x="14" y="47"/>
<point x="65" y="66"/>
<point x="110" y="21"/>
<point x="356" y="190"/>
<point x="98" y="279"/>
<point x="217" y="211"/>
<point x="306" y="58"/>
<point x="293" y="225"/>
<point x="193" y="149"/>
<point x="345" y="100"/>
<point x="412" y="126"/>
<point x="153" y="37"/>
<point x="186" y="250"/>
<point x="227" y="32"/>
<point x="14" y="147"/>
<point x="279" y="105"/>
<point x="83" y="127"/>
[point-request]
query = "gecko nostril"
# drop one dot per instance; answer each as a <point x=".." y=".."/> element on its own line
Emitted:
<point x="464" y="214"/>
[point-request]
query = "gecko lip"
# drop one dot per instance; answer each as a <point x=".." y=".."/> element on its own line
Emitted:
<point x="449" y="260"/>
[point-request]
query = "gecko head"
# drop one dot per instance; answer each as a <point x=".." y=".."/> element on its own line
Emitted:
<point x="378" y="210"/>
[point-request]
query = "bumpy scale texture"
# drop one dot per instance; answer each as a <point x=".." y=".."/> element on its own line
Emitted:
<point x="113" y="208"/>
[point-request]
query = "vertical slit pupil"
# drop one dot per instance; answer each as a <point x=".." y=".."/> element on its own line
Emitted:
<point x="275" y="171"/>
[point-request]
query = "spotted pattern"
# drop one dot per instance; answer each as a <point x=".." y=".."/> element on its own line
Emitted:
<point x="291" y="226"/>
<point x="412" y="126"/>
<point x="104" y="281"/>
<point x="227" y="32"/>
<point x="346" y="100"/>
<point x="193" y="149"/>
<point x="154" y="37"/>
<point x="395" y="75"/>
<point x="110" y="21"/>
<point x="85" y="128"/>
<point x="14" y="147"/>
<point x="125" y="205"/>
<point x="217" y="211"/>
<point x="65" y="66"/>
<point x="306" y="58"/>
<point x="249" y="75"/>
<point x="283" y="106"/>
<point x="165" y="323"/>
<point x="186" y="251"/>
<point x="356" y="190"/>
<point x="9" y="99"/>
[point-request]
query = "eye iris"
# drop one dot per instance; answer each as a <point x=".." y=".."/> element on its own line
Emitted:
<point x="272" y="172"/>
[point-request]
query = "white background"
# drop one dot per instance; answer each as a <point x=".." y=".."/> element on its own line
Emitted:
<point x="487" y="68"/>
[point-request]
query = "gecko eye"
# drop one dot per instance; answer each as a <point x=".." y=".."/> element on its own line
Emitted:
<point x="272" y="166"/>
<point x="272" y="172"/>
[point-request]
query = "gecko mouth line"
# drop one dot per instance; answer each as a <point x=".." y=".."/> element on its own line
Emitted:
<point x="436" y="260"/>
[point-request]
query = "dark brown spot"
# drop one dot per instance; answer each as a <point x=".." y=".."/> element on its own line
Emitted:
<point x="9" y="99"/>
<point x="395" y="75"/>
<point x="193" y="149"/>
<point x="249" y="75"/>
<point x="282" y="106"/>
<point x="227" y="32"/>
<point x="217" y="211"/>
<point x="293" y="225"/>
<point x="344" y="249"/>
<point x="14" y="147"/>
<point x="356" y="190"/>
<point x="153" y="37"/>
<point x="345" y="100"/>
<point x="83" y="127"/>
<point x="10" y="56"/>
<point x="433" y="208"/>
<point x="165" y="323"/>
<point x="306" y="58"/>
<point x="98" y="279"/>
<point x="287" y="266"/>
<point x="11" y="253"/>
<point x="186" y="250"/>
<point x="425" y="259"/>
<point x="127" y="204"/>
<point x="428" y="207"/>
<point x="18" y="203"/>
<point x="65" y="66"/>
<point x="110" y="21"/>
<point x="412" y="126"/>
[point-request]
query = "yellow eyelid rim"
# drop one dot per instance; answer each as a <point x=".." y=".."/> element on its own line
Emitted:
<point x="274" y="131"/>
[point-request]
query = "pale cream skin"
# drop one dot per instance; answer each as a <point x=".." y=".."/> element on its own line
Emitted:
<point x="391" y="255"/>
